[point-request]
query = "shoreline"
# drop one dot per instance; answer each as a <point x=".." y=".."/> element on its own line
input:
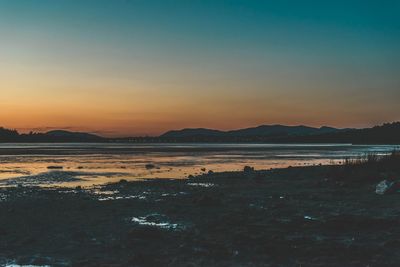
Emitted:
<point x="287" y="217"/>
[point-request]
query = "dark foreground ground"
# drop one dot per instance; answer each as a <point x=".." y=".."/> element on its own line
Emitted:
<point x="312" y="216"/>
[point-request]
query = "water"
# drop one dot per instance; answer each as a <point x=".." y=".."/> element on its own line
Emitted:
<point x="94" y="164"/>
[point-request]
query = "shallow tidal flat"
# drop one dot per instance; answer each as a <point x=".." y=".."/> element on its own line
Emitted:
<point x="309" y="216"/>
<point x="87" y="164"/>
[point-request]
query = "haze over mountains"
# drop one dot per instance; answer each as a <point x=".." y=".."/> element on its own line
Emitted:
<point x="385" y="134"/>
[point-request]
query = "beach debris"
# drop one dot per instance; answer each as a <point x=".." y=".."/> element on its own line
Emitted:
<point x="203" y="169"/>
<point x="385" y="187"/>
<point x="156" y="220"/>
<point x="210" y="172"/>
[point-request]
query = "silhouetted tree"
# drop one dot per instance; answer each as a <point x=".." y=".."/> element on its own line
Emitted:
<point x="7" y="135"/>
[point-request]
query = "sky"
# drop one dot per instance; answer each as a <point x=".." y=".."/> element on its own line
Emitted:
<point x="126" y="67"/>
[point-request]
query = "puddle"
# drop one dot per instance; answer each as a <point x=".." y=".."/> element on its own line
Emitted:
<point x="109" y="198"/>
<point x="51" y="177"/>
<point x="173" y="194"/>
<point x="156" y="220"/>
<point x="201" y="184"/>
<point x="109" y="195"/>
<point x="105" y="192"/>
<point x="54" y="177"/>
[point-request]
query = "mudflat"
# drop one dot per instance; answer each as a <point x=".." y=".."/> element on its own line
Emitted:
<point x="306" y="216"/>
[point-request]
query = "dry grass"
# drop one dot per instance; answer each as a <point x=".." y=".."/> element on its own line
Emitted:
<point x="371" y="159"/>
<point x="370" y="168"/>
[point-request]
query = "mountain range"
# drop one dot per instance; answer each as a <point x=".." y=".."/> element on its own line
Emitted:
<point x="263" y="130"/>
<point x="388" y="133"/>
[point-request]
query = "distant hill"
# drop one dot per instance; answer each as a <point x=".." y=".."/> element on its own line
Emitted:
<point x="259" y="131"/>
<point x="268" y="130"/>
<point x="68" y="134"/>
<point x="388" y="133"/>
<point x="56" y="136"/>
<point x="185" y="133"/>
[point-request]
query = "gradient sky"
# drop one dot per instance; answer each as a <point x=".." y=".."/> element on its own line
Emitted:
<point x="142" y="67"/>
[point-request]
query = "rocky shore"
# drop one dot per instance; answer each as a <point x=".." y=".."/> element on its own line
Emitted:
<point x="308" y="216"/>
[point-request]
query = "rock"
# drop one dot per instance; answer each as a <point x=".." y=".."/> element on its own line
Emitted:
<point x="248" y="169"/>
<point x="55" y="167"/>
<point x="382" y="187"/>
<point x="150" y="166"/>
<point x="386" y="187"/>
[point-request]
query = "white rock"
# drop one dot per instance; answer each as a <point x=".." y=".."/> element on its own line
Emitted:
<point x="382" y="187"/>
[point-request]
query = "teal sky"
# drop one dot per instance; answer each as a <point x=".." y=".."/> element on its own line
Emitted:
<point x="143" y="67"/>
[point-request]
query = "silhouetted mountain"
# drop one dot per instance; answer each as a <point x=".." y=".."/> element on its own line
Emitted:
<point x="50" y="137"/>
<point x="184" y="133"/>
<point x="388" y="133"/>
<point x="260" y="131"/>
<point x="282" y="130"/>
<point x="68" y="134"/>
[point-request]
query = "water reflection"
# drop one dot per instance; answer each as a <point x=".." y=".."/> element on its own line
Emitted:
<point x="93" y="164"/>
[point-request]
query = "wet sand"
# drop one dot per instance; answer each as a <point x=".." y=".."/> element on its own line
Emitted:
<point x="306" y="216"/>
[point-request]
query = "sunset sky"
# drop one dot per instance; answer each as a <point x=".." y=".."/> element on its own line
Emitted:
<point x="121" y="68"/>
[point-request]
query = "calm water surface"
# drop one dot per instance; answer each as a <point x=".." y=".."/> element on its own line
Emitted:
<point x="93" y="164"/>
